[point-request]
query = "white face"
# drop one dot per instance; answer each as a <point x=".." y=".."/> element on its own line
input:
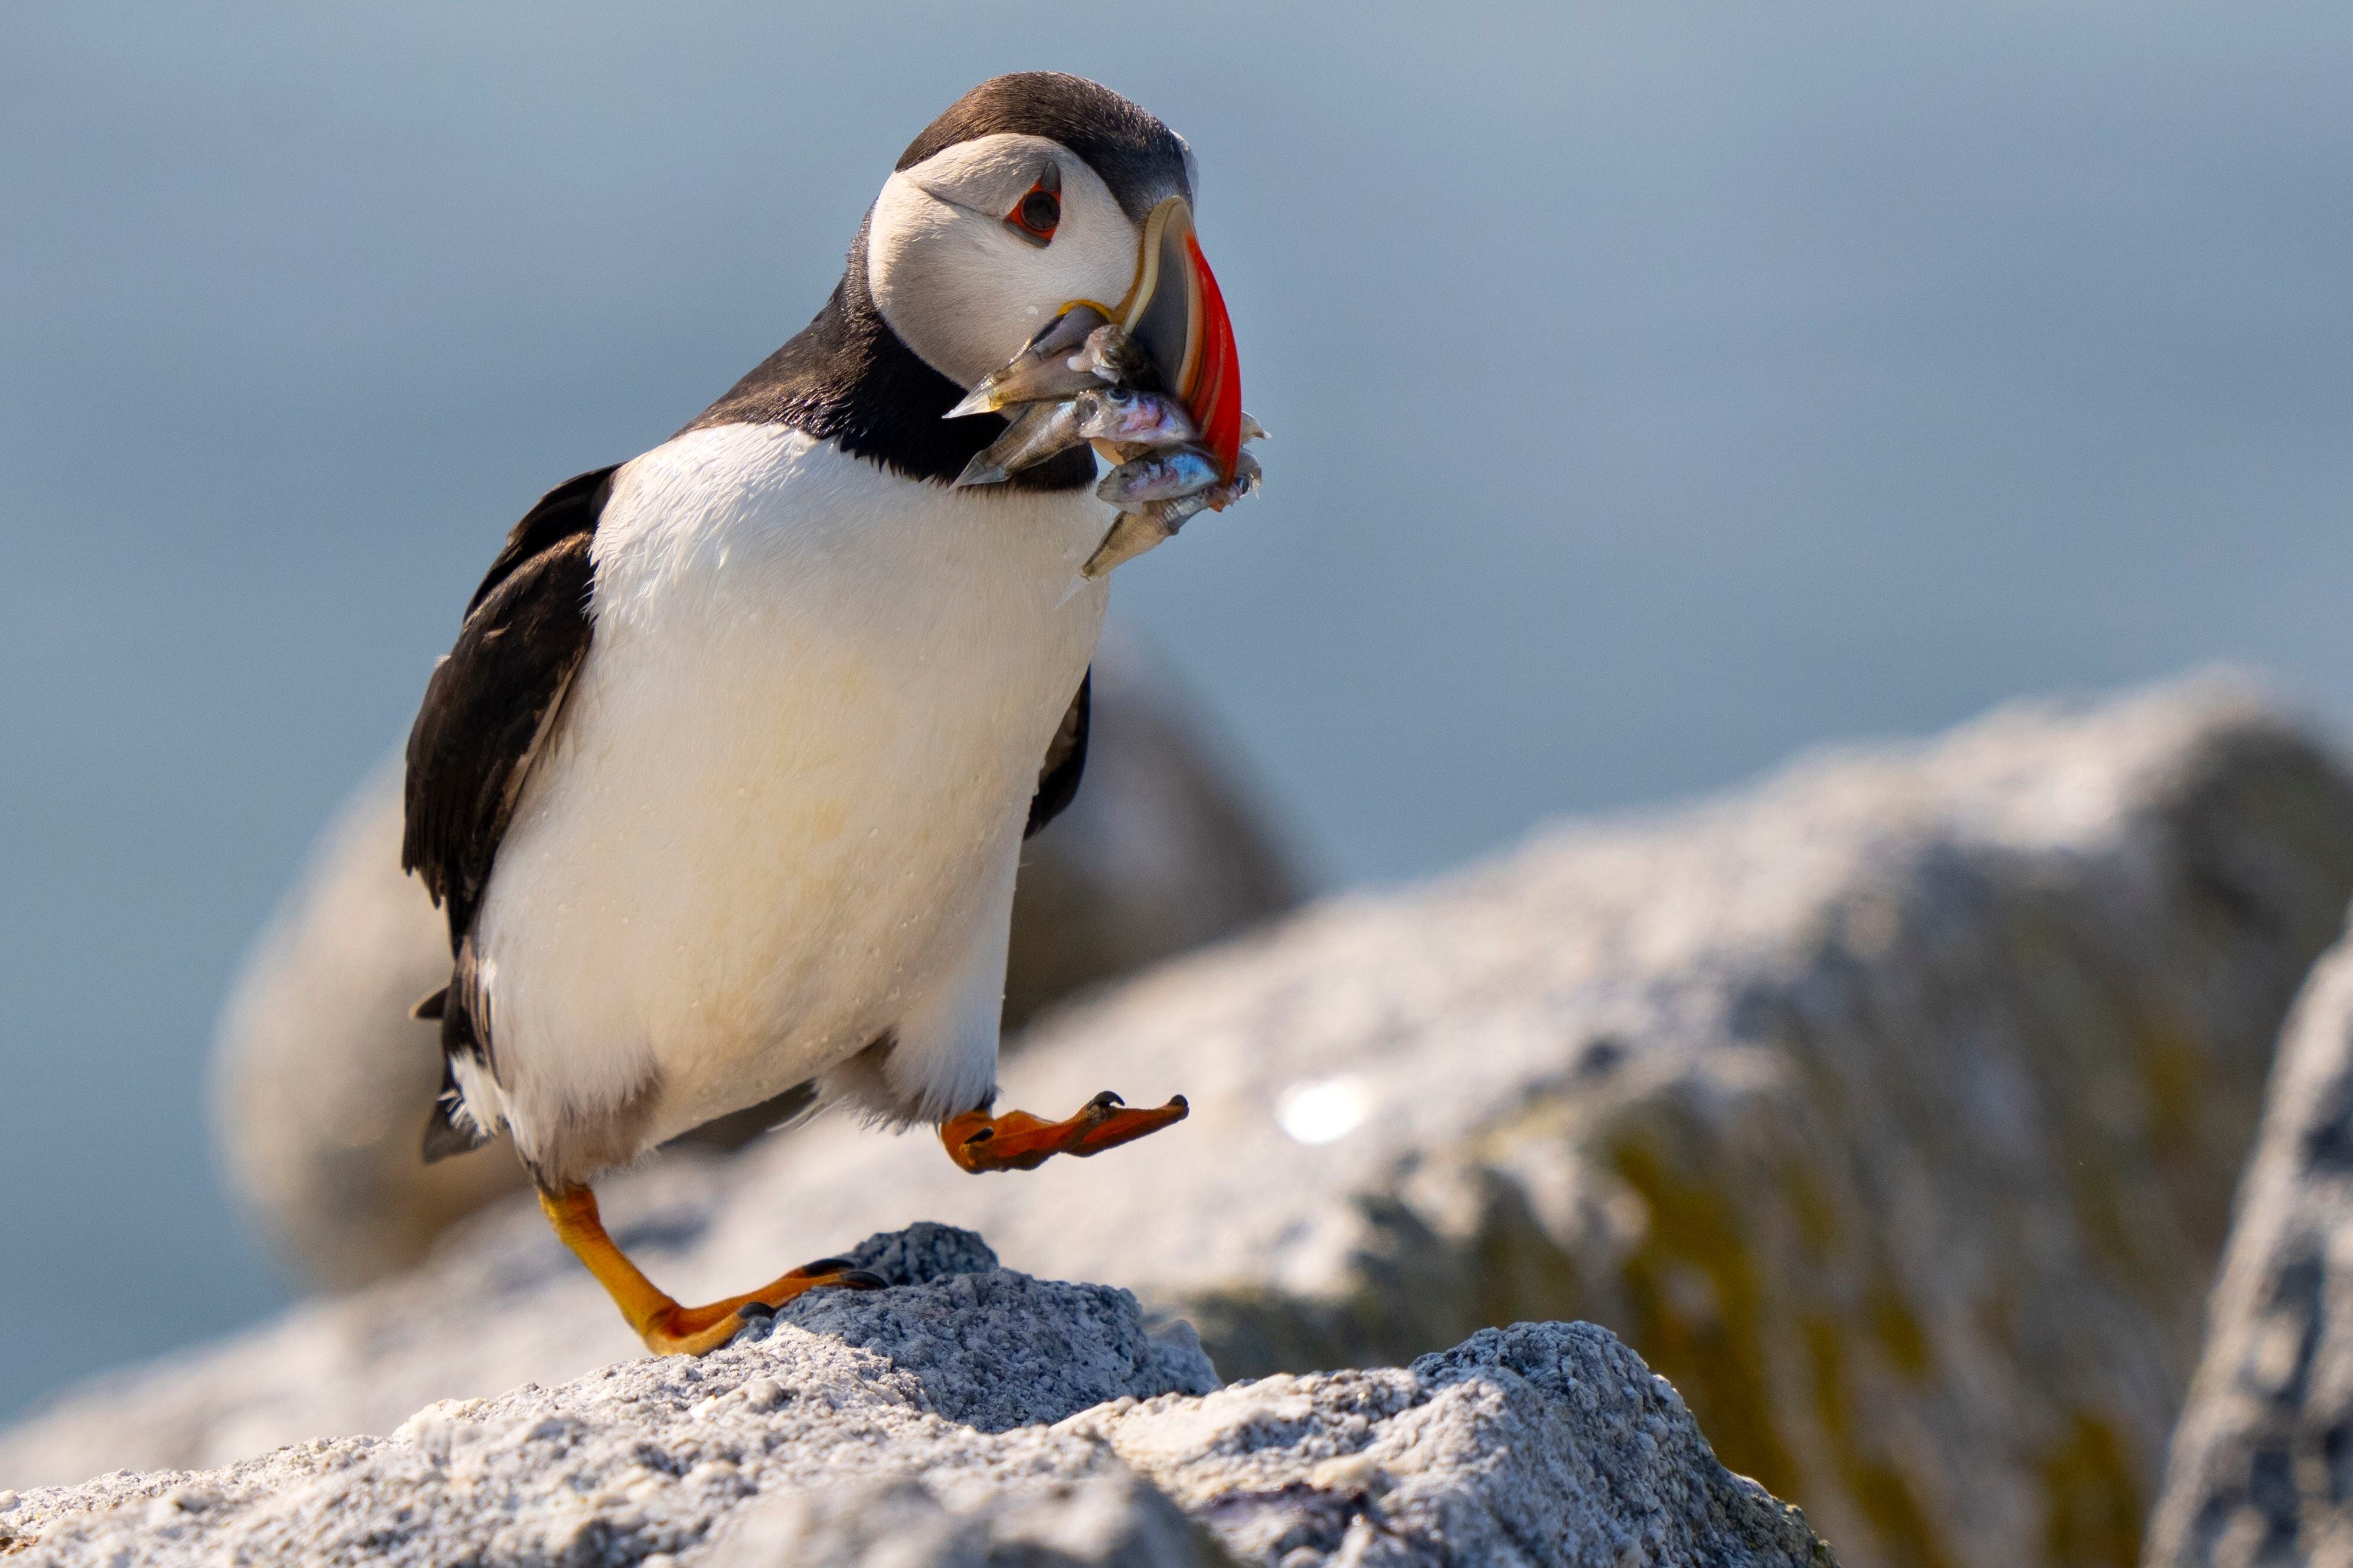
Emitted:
<point x="955" y="277"/>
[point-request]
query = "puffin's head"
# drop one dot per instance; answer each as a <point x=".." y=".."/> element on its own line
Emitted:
<point x="1037" y="191"/>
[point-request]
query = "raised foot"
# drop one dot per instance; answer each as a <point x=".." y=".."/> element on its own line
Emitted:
<point x="1017" y="1140"/>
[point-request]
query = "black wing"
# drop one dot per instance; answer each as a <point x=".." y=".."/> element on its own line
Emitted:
<point x="1066" y="759"/>
<point x="492" y="702"/>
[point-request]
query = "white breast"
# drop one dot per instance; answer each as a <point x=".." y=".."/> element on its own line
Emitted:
<point x="781" y="813"/>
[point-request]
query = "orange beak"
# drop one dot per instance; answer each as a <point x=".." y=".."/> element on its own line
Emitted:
<point x="1175" y="313"/>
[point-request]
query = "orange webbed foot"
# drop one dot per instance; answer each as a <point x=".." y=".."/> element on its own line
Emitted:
<point x="1017" y="1140"/>
<point x="696" y="1330"/>
<point x="665" y="1327"/>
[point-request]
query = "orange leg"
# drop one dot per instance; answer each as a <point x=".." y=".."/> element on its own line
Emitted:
<point x="1017" y="1140"/>
<point x="667" y="1328"/>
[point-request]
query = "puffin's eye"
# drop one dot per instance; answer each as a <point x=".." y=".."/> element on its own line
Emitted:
<point x="1039" y="211"/>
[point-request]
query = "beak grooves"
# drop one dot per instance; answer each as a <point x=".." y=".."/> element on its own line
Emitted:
<point x="1175" y="312"/>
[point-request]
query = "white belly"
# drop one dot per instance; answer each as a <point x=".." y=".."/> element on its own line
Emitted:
<point x="781" y="813"/>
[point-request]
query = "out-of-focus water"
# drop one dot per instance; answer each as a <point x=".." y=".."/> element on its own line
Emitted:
<point x="1656" y="390"/>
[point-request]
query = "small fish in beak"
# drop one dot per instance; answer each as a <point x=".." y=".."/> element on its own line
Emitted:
<point x="1133" y="418"/>
<point x="1120" y="416"/>
<point x="1151" y="523"/>
<point x="1160" y="476"/>
<point x="1154" y="382"/>
<point x="1040" y="431"/>
<point x="1132" y="533"/>
<point x="1115" y="359"/>
<point x="1057" y="363"/>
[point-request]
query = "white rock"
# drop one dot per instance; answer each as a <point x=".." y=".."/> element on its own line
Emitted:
<point x="974" y="1417"/>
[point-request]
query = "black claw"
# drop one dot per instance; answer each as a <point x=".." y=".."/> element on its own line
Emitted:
<point x="826" y="1265"/>
<point x="860" y="1279"/>
<point x="1104" y="1100"/>
<point x="755" y="1312"/>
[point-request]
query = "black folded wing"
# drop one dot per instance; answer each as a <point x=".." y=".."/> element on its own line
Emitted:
<point x="1066" y="759"/>
<point x="493" y="701"/>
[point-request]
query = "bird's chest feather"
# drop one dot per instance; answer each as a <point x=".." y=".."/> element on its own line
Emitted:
<point x="812" y="711"/>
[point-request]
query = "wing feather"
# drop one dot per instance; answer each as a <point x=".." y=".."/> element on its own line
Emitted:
<point x="492" y="702"/>
<point x="1066" y="761"/>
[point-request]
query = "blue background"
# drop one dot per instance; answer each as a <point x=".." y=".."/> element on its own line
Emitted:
<point x="1657" y="389"/>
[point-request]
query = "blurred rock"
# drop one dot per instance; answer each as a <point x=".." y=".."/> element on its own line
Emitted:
<point x="2263" y="1461"/>
<point x="972" y="1416"/>
<point x="324" y="1081"/>
<point x="1891" y="1109"/>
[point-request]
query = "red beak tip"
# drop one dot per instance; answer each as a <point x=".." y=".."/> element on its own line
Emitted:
<point x="1216" y="403"/>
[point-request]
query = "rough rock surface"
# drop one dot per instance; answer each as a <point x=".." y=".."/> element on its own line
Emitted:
<point x="1891" y="1109"/>
<point x="2262" y="1460"/>
<point x="324" y="1081"/>
<point x="973" y="1415"/>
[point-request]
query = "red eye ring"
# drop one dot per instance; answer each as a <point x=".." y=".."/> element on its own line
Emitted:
<point x="1038" y="213"/>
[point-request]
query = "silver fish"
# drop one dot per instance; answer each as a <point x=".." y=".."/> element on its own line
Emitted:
<point x="1133" y="533"/>
<point x="1111" y="354"/>
<point x="1118" y="415"/>
<point x="1124" y="414"/>
<point x="1055" y="363"/>
<point x="1153" y="523"/>
<point x="1040" y="431"/>
<point x="1247" y="475"/>
<point x="1160" y="477"/>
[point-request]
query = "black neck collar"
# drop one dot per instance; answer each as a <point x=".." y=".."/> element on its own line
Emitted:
<point x="846" y="378"/>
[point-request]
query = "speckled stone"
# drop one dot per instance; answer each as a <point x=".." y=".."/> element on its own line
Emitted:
<point x="2262" y="1474"/>
<point x="969" y="1416"/>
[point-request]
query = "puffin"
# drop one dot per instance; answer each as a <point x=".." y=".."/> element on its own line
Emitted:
<point x="723" y="784"/>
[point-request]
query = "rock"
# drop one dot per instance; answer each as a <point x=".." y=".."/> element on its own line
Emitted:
<point x="970" y="1416"/>
<point x="2263" y="1454"/>
<point x="324" y="1081"/>
<point x="1890" y="1109"/>
<point x="1116" y="1519"/>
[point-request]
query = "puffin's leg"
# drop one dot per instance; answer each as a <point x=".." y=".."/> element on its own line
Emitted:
<point x="1017" y="1140"/>
<point x="667" y="1328"/>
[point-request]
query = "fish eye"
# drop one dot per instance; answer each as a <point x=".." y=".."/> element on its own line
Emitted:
<point x="1039" y="211"/>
